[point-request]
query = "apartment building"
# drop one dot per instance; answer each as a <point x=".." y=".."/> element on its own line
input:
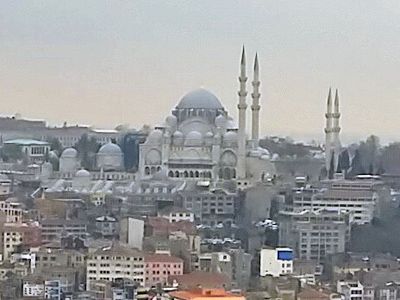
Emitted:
<point x="160" y="266"/>
<point x="54" y="229"/>
<point x="276" y="262"/>
<point x="314" y="234"/>
<point x="116" y="262"/>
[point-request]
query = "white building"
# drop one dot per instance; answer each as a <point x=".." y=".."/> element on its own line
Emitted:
<point x="34" y="151"/>
<point x="176" y="214"/>
<point x="131" y="232"/>
<point x="116" y="262"/>
<point x="352" y="290"/>
<point x="276" y="262"/>
<point x="5" y="187"/>
<point x="12" y="210"/>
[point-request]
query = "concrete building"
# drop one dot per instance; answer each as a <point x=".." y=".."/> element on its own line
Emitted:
<point x="54" y="229"/>
<point x="314" y="234"/>
<point x="131" y="232"/>
<point x="215" y="262"/>
<point x="15" y="234"/>
<point x="160" y="266"/>
<point x="276" y="262"/>
<point x="352" y="290"/>
<point x="6" y="188"/>
<point x="210" y="205"/>
<point x="107" y="226"/>
<point x="12" y="210"/>
<point x="176" y="214"/>
<point x="115" y="262"/>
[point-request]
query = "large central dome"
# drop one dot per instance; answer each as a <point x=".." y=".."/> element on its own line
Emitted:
<point x="200" y="98"/>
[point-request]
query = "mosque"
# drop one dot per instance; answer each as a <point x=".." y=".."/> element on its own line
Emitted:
<point x="200" y="141"/>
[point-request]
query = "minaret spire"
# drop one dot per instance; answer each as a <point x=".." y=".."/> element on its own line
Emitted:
<point x="242" y="106"/>
<point x="328" y="131"/>
<point x="336" y="129"/>
<point x="255" y="107"/>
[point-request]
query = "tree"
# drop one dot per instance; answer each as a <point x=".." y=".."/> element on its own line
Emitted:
<point x="356" y="166"/>
<point x="344" y="162"/>
<point x="390" y="159"/>
<point x="332" y="166"/>
<point x="87" y="149"/>
<point x="55" y="144"/>
<point x="369" y="151"/>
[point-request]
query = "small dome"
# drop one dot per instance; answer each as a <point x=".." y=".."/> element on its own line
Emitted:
<point x="200" y="98"/>
<point x="220" y="121"/>
<point x="110" y="148"/>
<point x="194" y="138"/>
<point x="209" y="135"/>
<point x="177" y="134"/>
<point x="156" y="134"/>
<point x="69" y="152"/>
<point x="82" y="173"/>
<point x="171" y="121"/>
<point x="230" y="136"/>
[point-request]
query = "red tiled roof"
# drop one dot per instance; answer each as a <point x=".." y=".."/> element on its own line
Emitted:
<point x="312" y="294"/>
<point x="201" y="278"/>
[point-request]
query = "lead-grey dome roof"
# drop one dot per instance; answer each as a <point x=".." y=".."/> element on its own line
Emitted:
<point x="200" y="98"/>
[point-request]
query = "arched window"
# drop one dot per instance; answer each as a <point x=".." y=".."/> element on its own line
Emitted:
<point x="176" y="174"/>
<point x="170" y="174"/>
<point x="147" y="171"/>
<point x="185" y="174"/>
<point x="191" y="174"/>
<point x="196" y="174"/>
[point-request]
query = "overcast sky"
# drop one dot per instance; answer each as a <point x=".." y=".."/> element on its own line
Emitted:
<point x="107" y="62"/>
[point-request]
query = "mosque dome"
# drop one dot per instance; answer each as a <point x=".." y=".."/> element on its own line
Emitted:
<point x="110" y="148"/>
<point x="82" y="173"/>
<point x="200" y="98"/>
<point x="230" y="136"/>
<point x="69" y="152"/>
<point x="171" y="121"/>
<point x="156" y="134"/>
<point x="220" y="121"/>
<point x="177" y="134"/>
<point x="209" y="135"/>
<point x="194" y="138"/>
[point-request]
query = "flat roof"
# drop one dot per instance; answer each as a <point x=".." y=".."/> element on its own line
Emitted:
<point x="27" y="142"/>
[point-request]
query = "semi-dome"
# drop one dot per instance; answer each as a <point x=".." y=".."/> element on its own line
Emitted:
<point x="110" y="148"/>
<point x="194" y="138"/>
<point x="156" y="134"/>
<point x="69" y="152"/>
<point x="200" y="98"/>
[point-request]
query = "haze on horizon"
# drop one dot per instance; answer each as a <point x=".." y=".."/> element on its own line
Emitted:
<point x="112" y="62"/>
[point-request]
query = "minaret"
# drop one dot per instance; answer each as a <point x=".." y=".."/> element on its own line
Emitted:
<point x="255" y="107"/>
<point x="336" y="130"/>
<point x="328" y="131"/>
<point x="242" y="106"/>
